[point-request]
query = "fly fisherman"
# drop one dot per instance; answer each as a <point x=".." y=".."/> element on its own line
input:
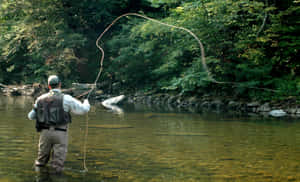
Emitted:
<point x="52" y="114"/>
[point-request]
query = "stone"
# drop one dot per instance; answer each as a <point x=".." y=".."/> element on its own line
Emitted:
<point x="205" y="104"/>
<point x="116" y="86"/>
<point x="291" y="111"/>
<point x="253" y="104"/>
<point x="193" y="101"/>
<point x="216" y="104"/>
<point x="277" y="113"/>
<point x="99" y="92"/>
<point x="264" y="108"/>
<point x="83" y="86"/>
<point x="233" y="105"/>
<point x="111" y="104"/>
<point x="37" y="89"/>
<point x="2" y="85"/>
<point x="15" y="92"/>
<point x="171" y="100"/>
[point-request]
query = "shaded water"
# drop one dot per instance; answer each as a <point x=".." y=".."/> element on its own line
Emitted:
<point x="152" y="146"/>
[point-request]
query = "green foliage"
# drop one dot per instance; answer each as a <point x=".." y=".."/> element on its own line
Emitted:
<point x="238" y="37"/>
<point x="39" y="38"/>
<point x="254" y="45"/>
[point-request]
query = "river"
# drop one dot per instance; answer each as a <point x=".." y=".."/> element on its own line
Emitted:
<point x="147" y="145"/>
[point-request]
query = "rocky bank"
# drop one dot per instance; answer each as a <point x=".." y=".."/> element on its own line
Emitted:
<point x="289" y="107"/>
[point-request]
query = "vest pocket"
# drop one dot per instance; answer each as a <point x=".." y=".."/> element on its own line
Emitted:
<point x="41" y="115"/>
<point x="54" y="115"/>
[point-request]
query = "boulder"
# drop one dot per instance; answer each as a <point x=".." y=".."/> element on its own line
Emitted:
<point x="172" y="100"/>
<point x="2" y="85"/>
<point x="217" y="104"/>
<point x="277" y="113"/>
<point x="83" y="86"/>
<point x="111" y="104"/>
<point x="233" y="105"/>
<point x="291" y="111"/>
<point x="193" y="101"/>
<point x="264" y="108"/>
<point x="205" y="104"/>
<point x="253" y="104"/>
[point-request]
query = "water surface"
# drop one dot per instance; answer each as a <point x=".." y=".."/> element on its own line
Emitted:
<point x="147" y="145"/>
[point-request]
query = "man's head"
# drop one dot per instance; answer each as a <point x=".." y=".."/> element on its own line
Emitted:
<point x="53" y="82"/>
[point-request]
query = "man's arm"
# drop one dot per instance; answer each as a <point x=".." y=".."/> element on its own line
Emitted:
<point x="32" y="113"/>
<point x="75" y="106"/>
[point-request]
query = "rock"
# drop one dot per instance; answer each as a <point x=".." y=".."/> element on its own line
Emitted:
<point x="116" y="87"/>
<point x="205" y="104"/>
<point x="264" y="108"/>
<point x="159" y="99"/>
<point x="253" y="104"/>
<point x="83" y="86"/>
<point x="217" y="104"/>
<point x="193" y="101"/>
<point x="277" y="113"/>
<point x="37" y="89"/>
<point x="15" y="92"/>
<point x="99" y="92"/>
<point x="172" y="100"/>
<point x="291" y="111"/>
<point x="2" y="85"/>
<point x="110" y="103"/>
<point x="178" y="100"/>
<point x="253" y="107"/>
<point x="233" y="105"/>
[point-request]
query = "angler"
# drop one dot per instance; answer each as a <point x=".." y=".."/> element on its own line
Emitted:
<point x="52" y="114"/>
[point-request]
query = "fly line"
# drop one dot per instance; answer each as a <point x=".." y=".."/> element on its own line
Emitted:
<point x="203" y="62"/>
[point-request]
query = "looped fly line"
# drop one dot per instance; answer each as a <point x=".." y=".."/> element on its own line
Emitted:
<point x="203" y="61"/>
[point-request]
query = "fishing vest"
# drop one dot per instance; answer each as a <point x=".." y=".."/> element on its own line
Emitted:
<point x="50" y="111"/>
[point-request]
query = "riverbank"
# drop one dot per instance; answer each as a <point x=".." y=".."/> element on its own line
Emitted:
<point x="288" y="107"/>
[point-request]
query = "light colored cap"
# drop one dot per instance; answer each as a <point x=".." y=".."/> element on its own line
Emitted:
<point x="53" y="80"/>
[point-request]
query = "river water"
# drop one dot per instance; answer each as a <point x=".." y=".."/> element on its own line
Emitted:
<point x="147" y="145"/>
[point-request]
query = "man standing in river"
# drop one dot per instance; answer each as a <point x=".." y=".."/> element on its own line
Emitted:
<point x="52" y="114"/>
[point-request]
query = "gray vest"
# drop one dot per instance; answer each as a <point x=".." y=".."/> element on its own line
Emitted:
<point x="50" y="111"/>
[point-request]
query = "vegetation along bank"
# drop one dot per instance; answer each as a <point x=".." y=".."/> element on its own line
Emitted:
<point x="251" y="48"/>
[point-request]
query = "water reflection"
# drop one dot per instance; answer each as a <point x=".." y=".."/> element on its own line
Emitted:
<point x="155" y="146"/>
<point x="43" y="174"/>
